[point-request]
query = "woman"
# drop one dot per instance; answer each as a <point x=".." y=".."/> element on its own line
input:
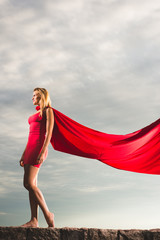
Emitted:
<point x="41" y="128"/>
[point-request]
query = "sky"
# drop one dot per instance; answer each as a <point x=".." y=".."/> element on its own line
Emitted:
<point x="99" y="60"/>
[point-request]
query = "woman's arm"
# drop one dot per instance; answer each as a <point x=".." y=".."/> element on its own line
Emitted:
<point x="49" y="130"/>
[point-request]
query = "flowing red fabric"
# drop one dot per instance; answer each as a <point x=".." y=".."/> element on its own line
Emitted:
<point x="137" y="152"/>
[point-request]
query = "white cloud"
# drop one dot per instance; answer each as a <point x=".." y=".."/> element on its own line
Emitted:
<point x="3" y="213"/>
<point x="97" y="189"/>
<point x="9" y="183"/>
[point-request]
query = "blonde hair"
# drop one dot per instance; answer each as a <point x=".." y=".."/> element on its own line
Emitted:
<point x="45" y="100"/>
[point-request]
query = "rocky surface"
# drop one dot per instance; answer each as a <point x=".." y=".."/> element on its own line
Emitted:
<point x="17" y="233"/>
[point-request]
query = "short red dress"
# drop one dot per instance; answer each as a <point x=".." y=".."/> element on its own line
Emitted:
<point x="36" y="138"/>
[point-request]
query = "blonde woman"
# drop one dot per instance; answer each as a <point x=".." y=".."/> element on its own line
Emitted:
<point x="40" y="132"/>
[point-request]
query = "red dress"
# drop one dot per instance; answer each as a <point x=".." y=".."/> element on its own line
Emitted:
<point x="36" y="138"/>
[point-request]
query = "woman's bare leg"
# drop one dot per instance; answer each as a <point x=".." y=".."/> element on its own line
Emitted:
<point x="33" y="206"/>
<point x="36" y="197"/>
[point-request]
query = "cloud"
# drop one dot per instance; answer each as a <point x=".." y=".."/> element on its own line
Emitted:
<point x="3" y="213"/>
<point x="97" y="189"/>
<point x="9" y="183"/>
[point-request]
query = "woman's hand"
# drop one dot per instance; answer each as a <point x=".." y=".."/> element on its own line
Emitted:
<point x="21" y="162"/>
<point x="40" y="158"/>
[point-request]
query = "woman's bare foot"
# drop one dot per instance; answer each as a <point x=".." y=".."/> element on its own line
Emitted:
<point x="31" y="223"/>
<point x="50" y="220"/>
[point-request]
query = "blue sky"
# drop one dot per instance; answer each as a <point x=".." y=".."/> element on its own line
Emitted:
<point x="99" y="59"/>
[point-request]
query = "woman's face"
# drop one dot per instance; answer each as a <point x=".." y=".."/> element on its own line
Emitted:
<point x="36" y="98"/>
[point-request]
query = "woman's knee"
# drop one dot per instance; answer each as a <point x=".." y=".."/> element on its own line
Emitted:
<point x="28" y="185"/>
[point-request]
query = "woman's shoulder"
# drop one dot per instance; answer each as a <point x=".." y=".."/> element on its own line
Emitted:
<point x="48" y="109"/>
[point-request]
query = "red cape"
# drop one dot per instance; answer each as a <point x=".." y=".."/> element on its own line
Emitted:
<point x="137" y="152"/>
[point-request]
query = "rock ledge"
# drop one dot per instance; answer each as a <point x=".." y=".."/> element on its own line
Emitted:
<point x="17" y="233"/>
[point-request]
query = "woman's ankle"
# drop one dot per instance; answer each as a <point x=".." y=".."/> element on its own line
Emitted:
<point x="34" y="220"/>
<point x="50" y="220"/>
